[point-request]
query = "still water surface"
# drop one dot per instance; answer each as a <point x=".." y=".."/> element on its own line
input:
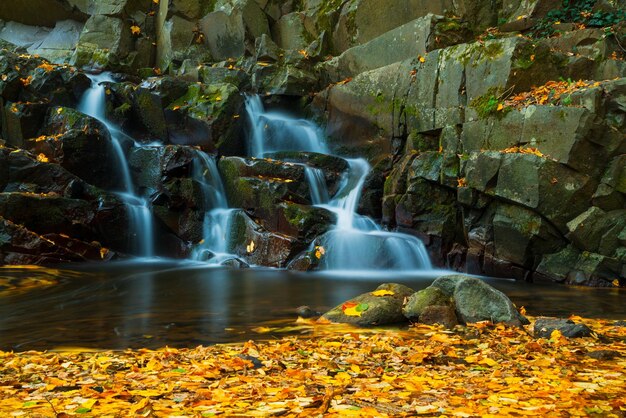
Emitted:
<point x="153" y="304"/>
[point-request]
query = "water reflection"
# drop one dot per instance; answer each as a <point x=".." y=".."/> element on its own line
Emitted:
<point x="159" y="303"/>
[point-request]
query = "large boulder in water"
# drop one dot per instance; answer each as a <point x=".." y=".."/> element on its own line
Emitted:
<point x="476" y="301"/>
<point x="380" y="307"/>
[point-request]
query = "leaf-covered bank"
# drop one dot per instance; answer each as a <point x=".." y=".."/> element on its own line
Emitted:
<point x="477" y="371"/>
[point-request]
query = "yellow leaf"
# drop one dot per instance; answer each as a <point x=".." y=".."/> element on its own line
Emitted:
<point x="261" y="330"/>
<point x="421" y="59"/>
<point x="488" y="361"/>
<point x="555" y="335"/>
<point x="500" y="107"/>
<point x="383" y="292"/>
<point x="522" y="310"/>
<point x="46" y="67"/>
<point x="319" y="251"/>
<point x="250" y="247"/>
<point x="135" y="30"/>
<point x="103" y="252"/>
<point x="351" y="311"/>
<point x="42" y="158"/>
<point x="89" y="403"/>
<point x="615" y="283"/>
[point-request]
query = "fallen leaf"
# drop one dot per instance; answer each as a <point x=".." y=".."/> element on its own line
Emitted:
<point x="383" y="292"/>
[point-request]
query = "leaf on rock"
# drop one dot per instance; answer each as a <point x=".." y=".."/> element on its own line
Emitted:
<point x="383" y="292"/>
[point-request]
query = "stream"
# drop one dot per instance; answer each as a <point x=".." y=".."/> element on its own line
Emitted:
<point x="183" y="304"/>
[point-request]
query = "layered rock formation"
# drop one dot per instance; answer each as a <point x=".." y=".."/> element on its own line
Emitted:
<point x="492" y="184"/>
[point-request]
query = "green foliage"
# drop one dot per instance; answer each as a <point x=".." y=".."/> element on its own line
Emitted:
<point x="577" y="11"/>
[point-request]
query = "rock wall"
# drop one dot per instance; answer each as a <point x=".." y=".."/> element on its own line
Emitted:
<point x="484" y="142"/>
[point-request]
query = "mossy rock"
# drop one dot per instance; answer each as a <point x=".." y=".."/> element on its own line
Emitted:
<point x="418" y="302"/>
<point x="369" y="309"/>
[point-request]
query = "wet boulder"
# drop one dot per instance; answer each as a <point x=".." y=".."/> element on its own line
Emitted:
<point x="224" y="33"/>
<point x="331" y="166"/>
<point x="418" y="302"/>
<point x="21" y="121"/>
<point x="476" y="301"/>
<point x="48" y="213"/>
<point x="544" y="327"/>
<point x="209" y="116"/>
<point x="598" y="231"/>
<point x="103" y="42"/>
<point x="257" y="246"/>
<point x="20" y="171"/>
<point x="176" y="182"/>
<point x="257" y="185"/>
<point x="20" y="246"/>
<point x="380" y="307"/>
<point x="276" y="194"/>
<point x="80" y="144"/>
<point x="583" y="268"/>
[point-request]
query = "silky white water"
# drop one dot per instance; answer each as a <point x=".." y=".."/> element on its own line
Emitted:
<point x="356" y="242"/>
<point x="272" y="131"/>
<point x="216" y="228"/>
<point x="141" y="228"/>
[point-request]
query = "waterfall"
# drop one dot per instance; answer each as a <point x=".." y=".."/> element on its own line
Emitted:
<point x="218" y="217"/>
<point x="356" y="242"/>
<point x="317" y="185"/>
<point x="141" y="228"/>
<point x="272" y="131"/>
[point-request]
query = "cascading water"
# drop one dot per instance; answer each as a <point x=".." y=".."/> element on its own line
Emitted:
<point x="356" y="242"/>
<point x="317" y="184"/>
<point x="93" y="103"/>
<point x="217" y="219"/>
<point x="274" y="131"/>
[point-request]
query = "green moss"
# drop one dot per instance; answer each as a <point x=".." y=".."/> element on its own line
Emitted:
<point x="238" y="229"/>
<point x="493" y="49"/>
<point x="71" y="116"/>
<point x="487" y="105"/>
<point x="449" y="25"/>
<point x="122" y="109"/>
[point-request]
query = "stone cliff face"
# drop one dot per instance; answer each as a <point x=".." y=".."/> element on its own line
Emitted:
<point x="495" y="174"/>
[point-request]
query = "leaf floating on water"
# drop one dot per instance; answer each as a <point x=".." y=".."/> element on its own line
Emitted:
<point x="262" y="330"/>
<point x="383" y="292"/>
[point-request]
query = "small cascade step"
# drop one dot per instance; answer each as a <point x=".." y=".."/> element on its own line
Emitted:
<point x="356" y="242"/>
